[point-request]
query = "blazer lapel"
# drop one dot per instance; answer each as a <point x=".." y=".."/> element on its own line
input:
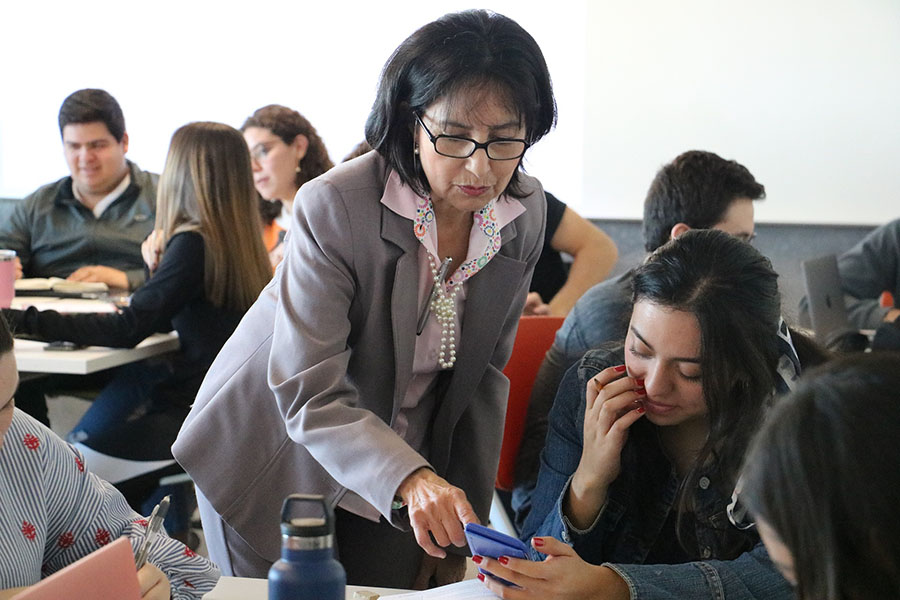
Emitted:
<point x="488" y="298"/>
<point x="404" y="299"/>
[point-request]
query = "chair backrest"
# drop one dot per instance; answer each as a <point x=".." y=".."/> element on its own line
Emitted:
<point x="533" y="339"/>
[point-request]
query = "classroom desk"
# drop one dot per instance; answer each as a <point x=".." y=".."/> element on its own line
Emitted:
<point x="31" y="356"/>
<point x="242" y="588"/>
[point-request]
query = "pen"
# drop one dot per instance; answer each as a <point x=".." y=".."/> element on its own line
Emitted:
<point x="156" y="520"/>
<point x="441" y="276"/>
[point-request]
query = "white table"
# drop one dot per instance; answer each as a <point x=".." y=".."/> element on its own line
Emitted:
<point x="31" y="356"/>
<point x="242" y="588"/>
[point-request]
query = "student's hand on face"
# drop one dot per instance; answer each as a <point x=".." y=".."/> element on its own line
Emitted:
<point x="18" y="267"/>
<point x="154" y="583"/>
<point x="562" y="576"/>
<point x="534" y="305"/>
<point x="612" y="406"/>
<point x="151" y="249"/>
<point x="114" y="278"/>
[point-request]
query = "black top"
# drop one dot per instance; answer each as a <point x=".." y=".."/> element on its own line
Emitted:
<point x="172" y="298"/>
<point x="551" y="272"/>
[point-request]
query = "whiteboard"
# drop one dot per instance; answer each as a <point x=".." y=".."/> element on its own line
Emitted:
<point x="805" y="94"/>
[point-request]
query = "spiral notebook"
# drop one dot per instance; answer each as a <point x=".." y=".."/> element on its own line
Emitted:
<point x="105" y="574"/>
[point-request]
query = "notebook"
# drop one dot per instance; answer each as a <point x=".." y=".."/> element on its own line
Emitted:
<point x="105" y="574"/>
<point x="827" y="310"/>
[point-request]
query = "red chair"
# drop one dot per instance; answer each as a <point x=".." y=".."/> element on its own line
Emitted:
<point x="533" y="339"/>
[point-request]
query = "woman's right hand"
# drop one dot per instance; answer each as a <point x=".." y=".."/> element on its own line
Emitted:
<point x="437" y="507"/>
<point x="151" y="249"/>
<point x="612" y="407"/>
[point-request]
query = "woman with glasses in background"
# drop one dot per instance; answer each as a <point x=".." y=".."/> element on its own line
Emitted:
<point x="370" y="371"/>
<point x="646" y="438"/>
<point x="285" y="152"/>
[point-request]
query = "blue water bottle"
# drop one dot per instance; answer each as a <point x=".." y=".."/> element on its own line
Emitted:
<point x="307" y="569"/>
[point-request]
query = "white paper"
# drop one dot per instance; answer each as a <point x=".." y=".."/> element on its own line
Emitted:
<point x="470" y="589"/>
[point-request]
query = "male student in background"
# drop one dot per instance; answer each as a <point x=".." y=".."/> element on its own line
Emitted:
<point x="89" y="225"/>
<point x="697" y="190"/>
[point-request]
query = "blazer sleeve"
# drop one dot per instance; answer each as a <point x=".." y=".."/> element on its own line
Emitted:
<point x="311" y="351"/>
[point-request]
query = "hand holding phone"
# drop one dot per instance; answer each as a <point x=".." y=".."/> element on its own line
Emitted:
<point x="485" y="541"/>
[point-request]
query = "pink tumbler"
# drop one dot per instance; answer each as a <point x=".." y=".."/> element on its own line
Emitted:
<point x="7" y="277"/>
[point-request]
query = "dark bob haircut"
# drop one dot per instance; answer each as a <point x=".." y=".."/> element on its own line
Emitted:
<point x="824" y="474"/>
<point x="91" y="106"/>
<point x="474" y="49"/>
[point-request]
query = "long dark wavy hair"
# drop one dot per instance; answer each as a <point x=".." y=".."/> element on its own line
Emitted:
<point x="824" y="474"/>
<point x="732" y="290"/>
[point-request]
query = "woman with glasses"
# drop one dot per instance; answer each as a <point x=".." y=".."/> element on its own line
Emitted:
<point x="286" y="152"/>
<point x="822" y="481"/>
<point x="370" y="370"/>
<point x="646" y="439"/>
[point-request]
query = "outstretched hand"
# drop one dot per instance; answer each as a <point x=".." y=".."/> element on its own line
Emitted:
<point x="436" y="507"/>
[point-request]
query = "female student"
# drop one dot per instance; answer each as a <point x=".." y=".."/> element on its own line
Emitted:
<point x="286" y="152"/>
<point x="53" y="511"/>
<point x="645" y="441"/>
<point x="349" y="377"/>
<point x="207" y="266"/>
<point x="822" y="481"/>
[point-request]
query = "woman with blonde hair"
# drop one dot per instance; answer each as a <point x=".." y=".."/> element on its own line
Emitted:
<point x="207" y="265"/>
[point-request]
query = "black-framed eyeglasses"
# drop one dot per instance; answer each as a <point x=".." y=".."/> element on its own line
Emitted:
<point x="462" y="147"/>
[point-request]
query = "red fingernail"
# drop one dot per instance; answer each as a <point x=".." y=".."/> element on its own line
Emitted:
<point x="640" y="410"/>
<point x="503" y="560"/>
<point x="537" y="542"/>
<point x="619" y="369"/>
<point x="476" y="559"/>
<point x="640" y="382"/>
<point x="640" y="392"/>
<point x="481" y="577"/>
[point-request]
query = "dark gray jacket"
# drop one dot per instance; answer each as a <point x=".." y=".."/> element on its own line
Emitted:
<point x="54" y="234"/>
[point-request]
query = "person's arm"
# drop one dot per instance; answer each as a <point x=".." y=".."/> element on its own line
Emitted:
<point x="751" y="576"/>
<point x="88" y="513"/>
<point x="176" y="282"/>
<point x="868" y="269"/>
<point x="321" y="405"/>
<point x="594" y="255"/>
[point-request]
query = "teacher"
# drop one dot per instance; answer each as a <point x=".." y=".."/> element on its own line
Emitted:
<point x="362" y="374"/>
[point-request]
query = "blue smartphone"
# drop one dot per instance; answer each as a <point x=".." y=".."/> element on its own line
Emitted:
<point x="485" y="541"/>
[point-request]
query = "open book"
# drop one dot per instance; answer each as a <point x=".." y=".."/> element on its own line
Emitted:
<point x="57" y="284"/>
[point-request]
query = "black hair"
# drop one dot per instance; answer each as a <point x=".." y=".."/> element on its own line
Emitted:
<point x="474" y="49"/>
<point x="90" y="106"/>
<point x="732" y="291"/>
<point x="695" y="189"/>
<point x="824" y="474"/>
<point x="6" y="338"/>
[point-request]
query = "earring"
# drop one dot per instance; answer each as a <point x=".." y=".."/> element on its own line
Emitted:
<point x="416" y="149"/>
<point x="297" y="170"/>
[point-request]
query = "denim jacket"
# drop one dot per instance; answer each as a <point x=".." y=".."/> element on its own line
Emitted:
<point x="731" y="564"/>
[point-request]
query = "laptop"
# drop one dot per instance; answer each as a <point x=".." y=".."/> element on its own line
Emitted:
<point x="105" y="574"/>
<point x="825" y="296"/>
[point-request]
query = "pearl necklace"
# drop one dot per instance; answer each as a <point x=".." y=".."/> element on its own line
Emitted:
<point x="444" y="309"/>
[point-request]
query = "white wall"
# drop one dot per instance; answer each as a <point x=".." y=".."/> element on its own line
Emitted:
<point x="806" y="94"/>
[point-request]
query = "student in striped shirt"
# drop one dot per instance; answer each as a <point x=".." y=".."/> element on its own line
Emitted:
<point x="53" y="511"/>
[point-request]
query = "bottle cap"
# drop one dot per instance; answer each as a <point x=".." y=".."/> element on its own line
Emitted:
<point x="304" y="525"/>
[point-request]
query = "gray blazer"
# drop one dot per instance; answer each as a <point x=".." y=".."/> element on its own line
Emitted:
<point x="335" y="334"/>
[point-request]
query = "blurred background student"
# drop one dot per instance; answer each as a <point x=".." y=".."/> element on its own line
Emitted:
<point x="285" y="152"/>
<point x="55" y="512"/>
<point x="207" y="266"/>
<point x="822" y="481"/>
